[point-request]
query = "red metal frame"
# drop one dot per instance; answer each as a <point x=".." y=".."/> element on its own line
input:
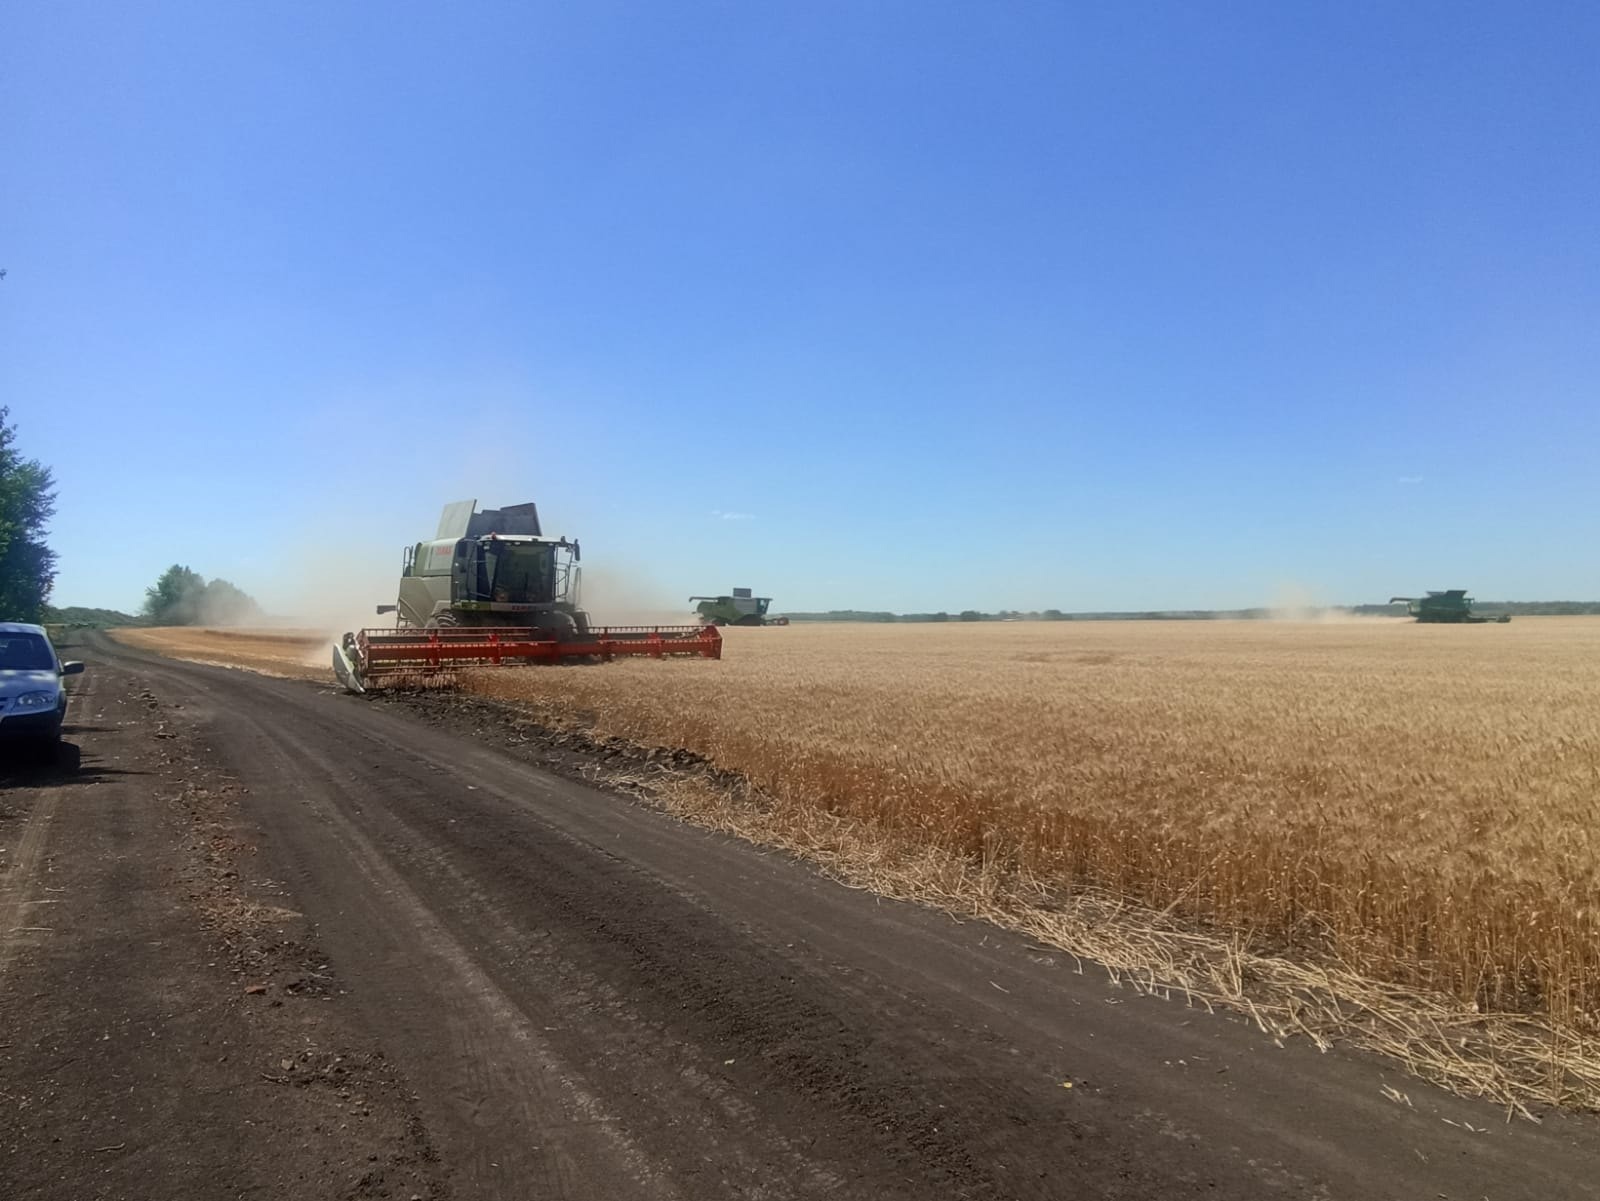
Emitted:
<point x="394" y="652"/>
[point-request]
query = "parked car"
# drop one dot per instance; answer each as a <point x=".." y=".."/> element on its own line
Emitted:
<point x="33" y="702"/>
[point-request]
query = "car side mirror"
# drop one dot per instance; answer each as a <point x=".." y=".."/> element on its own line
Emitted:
<point x="71" y="669"/>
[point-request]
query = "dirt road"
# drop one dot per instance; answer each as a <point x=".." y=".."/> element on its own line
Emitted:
<point x="265" y="939"/>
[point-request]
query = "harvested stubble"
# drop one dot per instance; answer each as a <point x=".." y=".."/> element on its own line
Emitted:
<point x="295" y="653"/>
<point x="1414" y="803"/>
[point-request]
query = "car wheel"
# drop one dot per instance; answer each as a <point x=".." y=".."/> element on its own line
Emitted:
<point x="40" y="750"/>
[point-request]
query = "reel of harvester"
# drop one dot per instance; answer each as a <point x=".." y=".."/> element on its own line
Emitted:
<point x="368" y="658"/>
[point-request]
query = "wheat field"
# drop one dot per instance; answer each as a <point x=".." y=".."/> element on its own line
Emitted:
<point x="1418" y="803"/>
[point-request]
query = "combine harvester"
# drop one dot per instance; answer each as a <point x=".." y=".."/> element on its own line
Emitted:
<point x="490" y="589"/>
<point x="1453" y="607"/>
<point x="740" y="609"/>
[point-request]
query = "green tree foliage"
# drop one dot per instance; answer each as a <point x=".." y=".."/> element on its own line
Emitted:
<point x="971" y="615"/>
<point x="174" y="599"/>
<point x="184" y="598"/>
<point x="27" y="500"/>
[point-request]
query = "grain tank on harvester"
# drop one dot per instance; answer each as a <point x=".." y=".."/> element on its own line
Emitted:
<point x="489" y="589"/>
<point x="1452" y="606"/>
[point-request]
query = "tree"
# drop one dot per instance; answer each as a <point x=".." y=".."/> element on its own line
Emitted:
<point x="175" y="598"/>
<point x="971" y="615"/>
<point x="27" y="501"/>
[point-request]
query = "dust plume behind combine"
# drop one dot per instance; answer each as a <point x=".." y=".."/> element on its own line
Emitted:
<point x="1296" y="602"/>
<point x="329" y="589"/>
<point x="618" y="595"/>
<point x="328" y="593"/>
<point x="315" y="595"/>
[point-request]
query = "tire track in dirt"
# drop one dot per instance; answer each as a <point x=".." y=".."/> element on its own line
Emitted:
<point x="499" y="1092"/>
<point x="524" y="1119"/>
<point x="21" y="877"/>
<point x="24" y="870"/>
<point x="173" y="1035"/>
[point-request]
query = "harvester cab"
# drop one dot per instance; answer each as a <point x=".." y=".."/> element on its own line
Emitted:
<point x="743" y="608"/>
<point x="491" y="568"/>
<point x="490" y="589"/>
<point x="1451" y="606"/>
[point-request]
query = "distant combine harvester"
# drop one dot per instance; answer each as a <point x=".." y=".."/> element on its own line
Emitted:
<point x="1453" y="607"/>
<point x="743" y="608"/>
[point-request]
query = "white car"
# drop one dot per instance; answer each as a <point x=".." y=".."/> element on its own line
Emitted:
<point x="33" y="702"/>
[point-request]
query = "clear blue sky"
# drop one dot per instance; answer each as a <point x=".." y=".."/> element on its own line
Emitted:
<point x="888" y="305"/>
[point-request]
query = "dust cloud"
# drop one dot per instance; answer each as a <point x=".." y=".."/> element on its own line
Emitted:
<point x="337" y="592"/>
<point x="619" y="596"/>
<point x="183" y="597"/>
<point x="1297" y="603"/>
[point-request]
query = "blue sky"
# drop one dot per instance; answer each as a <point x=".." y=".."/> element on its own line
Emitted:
<point x="884" y="305"/>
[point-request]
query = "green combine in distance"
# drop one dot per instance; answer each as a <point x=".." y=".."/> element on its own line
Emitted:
<point x="740" y="609"/>
<point x="1452" y="606"/>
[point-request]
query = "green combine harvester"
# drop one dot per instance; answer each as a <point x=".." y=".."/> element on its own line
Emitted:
<point x="489" y="589"/>
<point x="1452" y="607"/>
<point x="741" y="609"/>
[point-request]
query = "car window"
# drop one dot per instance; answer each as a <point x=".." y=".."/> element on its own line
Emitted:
<point x="25" y="652"/>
